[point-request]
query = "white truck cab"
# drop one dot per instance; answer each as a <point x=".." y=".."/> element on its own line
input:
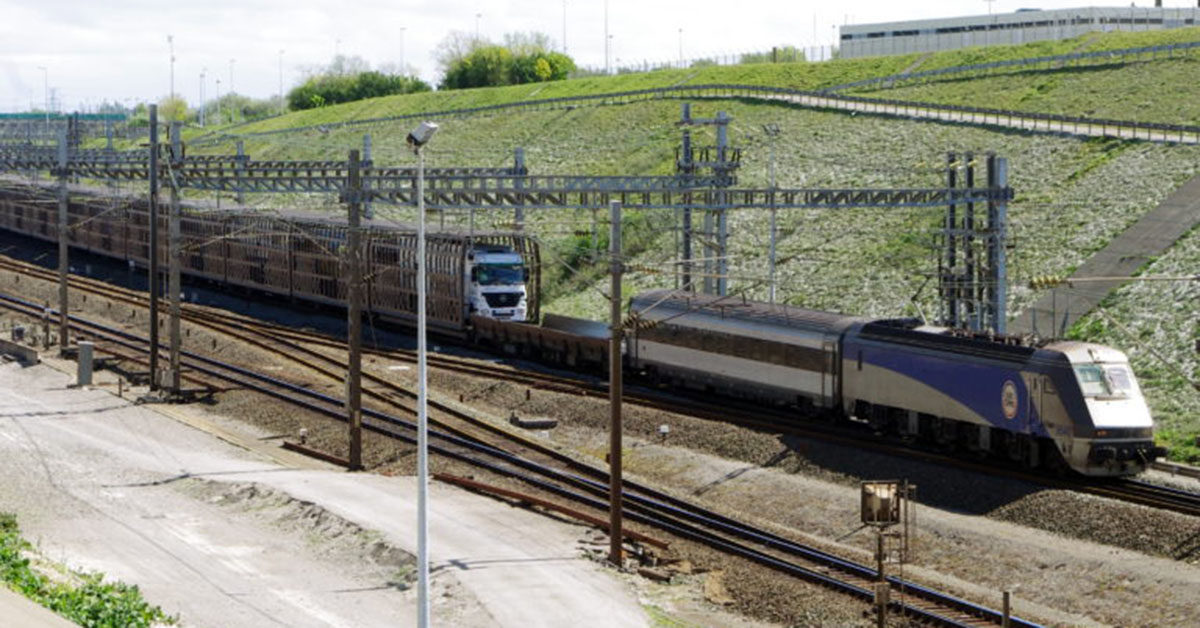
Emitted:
<point x="495" y="283"/>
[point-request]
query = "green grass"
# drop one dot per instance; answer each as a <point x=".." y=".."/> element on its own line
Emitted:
<point x="1159" y="91"/>
<point x="1071" y="91"/>
<point x="84" y="598"/>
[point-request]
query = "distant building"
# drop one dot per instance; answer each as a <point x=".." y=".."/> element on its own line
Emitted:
<point x="1026" y="25"/>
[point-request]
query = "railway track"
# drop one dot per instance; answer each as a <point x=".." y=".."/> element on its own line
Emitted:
<point x="585" y="484"/>
<point x="296" y="346"/>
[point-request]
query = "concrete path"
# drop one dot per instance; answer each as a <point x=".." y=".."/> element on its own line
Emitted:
<point x="1150" y="236"/>
<point x="90" y="478"/>
<point x="16" y="610"/>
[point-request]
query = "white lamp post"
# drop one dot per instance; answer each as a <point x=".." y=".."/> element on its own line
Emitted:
<point x="203" y="72"/>
<point x="46" y="93"/>
<point x="417" y="140"/>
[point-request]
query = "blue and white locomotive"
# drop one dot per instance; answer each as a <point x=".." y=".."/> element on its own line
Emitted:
<point x="1063" y="403"/>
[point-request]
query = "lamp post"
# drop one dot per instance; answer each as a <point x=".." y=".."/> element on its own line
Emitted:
<point x="477" y="16"/>
<point x="403" y="72"/>
<point x="231" y="62"/>
<point x="46" y="93"/>
<point x="203" y="71"/>
<point x="417" y="139"/>
<point x="681" y="47"/>
<point x="607" y="38"/>
<point x="171" y="47"/>
<point x="218" y="101"/>
<point x="281" y="104"/>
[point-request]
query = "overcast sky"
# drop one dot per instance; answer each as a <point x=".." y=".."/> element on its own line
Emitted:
<point x="96" y="50"/>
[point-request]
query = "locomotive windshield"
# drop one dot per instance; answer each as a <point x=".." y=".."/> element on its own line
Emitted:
<point x="499" y="274"/>
<point x="1096" y="380"/>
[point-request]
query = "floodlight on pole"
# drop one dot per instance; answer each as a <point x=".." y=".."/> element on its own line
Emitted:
<point x="417" y="140"/>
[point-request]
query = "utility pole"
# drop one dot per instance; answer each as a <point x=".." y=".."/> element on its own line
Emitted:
<point x="368" y="210"/>
<point x="63" y="244"/>
<point x="174" y="254"/>
<point x="519" y="168"/>
<point x="354" y="294"/>
<point x="997" y="218"/>
<point x="614" y="389"/>
<point x="240" y="171"/>
<point x="152" y="262"/>
<point x="772" y="131"/>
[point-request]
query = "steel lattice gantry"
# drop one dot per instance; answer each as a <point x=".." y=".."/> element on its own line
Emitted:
<point x="465" y="188"/>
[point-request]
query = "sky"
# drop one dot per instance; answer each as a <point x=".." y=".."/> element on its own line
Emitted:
<point x="117" y="50"/>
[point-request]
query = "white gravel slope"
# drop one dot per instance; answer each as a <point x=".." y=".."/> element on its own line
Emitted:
<point x="94" y="482"/>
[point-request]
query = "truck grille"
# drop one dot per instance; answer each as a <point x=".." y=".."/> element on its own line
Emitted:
<point x="502" y="299"/>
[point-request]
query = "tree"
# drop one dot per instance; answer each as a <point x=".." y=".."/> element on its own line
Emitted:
<point x="173" y="109"/>
<point x="331" y="89"/>
<point x="524" y="58"/>
<point x="455" y="47"/>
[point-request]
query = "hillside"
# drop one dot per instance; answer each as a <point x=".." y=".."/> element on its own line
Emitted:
<point x="1073" y="194"/>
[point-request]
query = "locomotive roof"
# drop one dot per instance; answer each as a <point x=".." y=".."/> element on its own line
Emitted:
<point x="905" y="331"/>
<point x="664" y="304"/>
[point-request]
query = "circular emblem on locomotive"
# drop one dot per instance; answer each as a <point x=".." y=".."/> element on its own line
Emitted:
<point x="1008" y="399"/>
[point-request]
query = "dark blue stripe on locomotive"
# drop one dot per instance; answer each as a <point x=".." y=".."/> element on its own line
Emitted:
<point x="962" y="369"/>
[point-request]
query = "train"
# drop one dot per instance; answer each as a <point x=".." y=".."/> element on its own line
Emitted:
<point x="1062" y="405"/>
<point x="1058" y="406"/>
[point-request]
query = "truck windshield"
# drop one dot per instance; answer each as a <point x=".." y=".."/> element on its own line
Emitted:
<point x="499" y="274"/>
<point x="1096" y="380"/>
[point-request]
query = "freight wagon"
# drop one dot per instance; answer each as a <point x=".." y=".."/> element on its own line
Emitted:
<point x="302" y="255"/>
